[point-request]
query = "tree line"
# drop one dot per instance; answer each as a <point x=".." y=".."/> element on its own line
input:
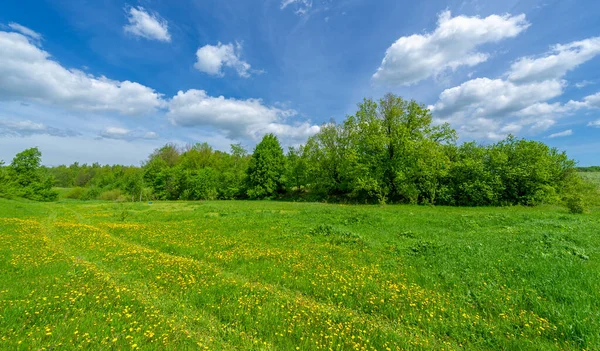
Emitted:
<point x="589" y="169"/>
<point x="389" y="151"/>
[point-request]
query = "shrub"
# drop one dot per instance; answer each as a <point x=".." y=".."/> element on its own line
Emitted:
<point x="110" y="195"/>
<point x="575" y="203"/>
<point x="75" y="193"/>
<point x="91" y="194"/>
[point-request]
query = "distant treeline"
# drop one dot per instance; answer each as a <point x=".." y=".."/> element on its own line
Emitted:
<point x="387" y="152"/>
<point x="589" y="169"/>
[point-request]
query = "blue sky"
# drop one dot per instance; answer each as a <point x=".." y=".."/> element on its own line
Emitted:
<point x="110" y="81"/>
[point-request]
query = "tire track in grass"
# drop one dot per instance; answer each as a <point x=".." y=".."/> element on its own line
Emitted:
<point x="190" y="325"/>
<point x="72" y="307"/>
<point x="390" y="329"/>
<point x="418" y="300"/>
<point x="425" y="338"/>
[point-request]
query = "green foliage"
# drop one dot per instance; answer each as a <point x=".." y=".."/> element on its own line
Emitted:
<point x="26" y="167"/>
<point x="266" y="169"/>
<point x="4" y="180"/>
<point x="26" y="178"/>
<point x="574" y="203"/>
<point x="75" y="193"/>
<point x="509" y="172"/>
<point x="580" y="193"/>
<point x="589" y="169"/>
<point x="296" y="169"/>
<point x="111" y="195"/>
<point x="389" y="151"/>
<point x="91" y="193"/>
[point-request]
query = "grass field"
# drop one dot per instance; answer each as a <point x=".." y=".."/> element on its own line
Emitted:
<point x="591" y="177"/>
<point x="292" y="276"/>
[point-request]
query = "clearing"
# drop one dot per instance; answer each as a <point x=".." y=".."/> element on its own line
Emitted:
<point x="259" y="275"/>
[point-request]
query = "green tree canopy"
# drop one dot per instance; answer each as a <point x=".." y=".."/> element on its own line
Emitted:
<point x="266" y="169"/>
<point x="29" y="179"/>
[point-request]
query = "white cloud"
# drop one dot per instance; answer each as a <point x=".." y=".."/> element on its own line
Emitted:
<point x="119" y="133"/>
<point x="25" y="31"/>
<point x="556" y="63"/>
<point x="521" y="99"/>
<point x="302" y="6"/>
<point x="561" y="134"/>
<point x="147" y="25"/>
<point x="484" y="97"/>
<point x="28" y="73"/>
<point x="595" y="123"/>
<point x="298" y="131"/>
<point x="486" y="108"/>
<point x="583" y="84"/>
<point x="150" y="135"/>
<point x="453" y="44"/>
<point x="23" y="128"/>
<point x="211" y="59"/>
<point x="238" y="118"/>
<point x="543" y="109"/>
<point x="590" y="101"/>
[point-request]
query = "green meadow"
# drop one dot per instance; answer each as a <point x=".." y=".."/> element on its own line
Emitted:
<point x="267" y="275"/>
<point x="591" y="177"/>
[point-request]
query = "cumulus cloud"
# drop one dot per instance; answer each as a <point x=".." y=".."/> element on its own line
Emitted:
<point x="521" y="98"/>
<point x="119" y="133"/>
<point x="544" y="109"/>
<point x="561" y="134"/>
<point x="23" y="128"/>
<point x="238" y="118"/>
<point x="590" y="102"/>
<point x="147" y="25"/>
<point x="28" y="73"/>
<point x="486" y="108"/>
<point x="211" y="59"/>
<point x="484" y="97"/>
<point x="453" y="44"/>
<point x="555" y="63"/>
<point x="595" y="123"/>
<point x="25" y="31"/>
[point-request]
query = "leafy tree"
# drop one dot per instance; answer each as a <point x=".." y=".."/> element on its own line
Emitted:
<point x="26" y="166"/>
<point x="296" y="171"/>
<point x="159" y="173"/>
<point x="531" y="172"/>
<point x="198" y="185"/>
<point x="232" y="175"/>
<point x="471" y="180"/>
<point x="266" y="169"/>
<point x="29" y="179"/>
<point x="133" y="183"/>
<point x="388" y="151"/>
<point x="326" y="158"/>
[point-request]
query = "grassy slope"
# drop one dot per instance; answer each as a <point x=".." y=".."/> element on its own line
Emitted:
<point x="271" y="275"/>
<point x="592" y="177"/>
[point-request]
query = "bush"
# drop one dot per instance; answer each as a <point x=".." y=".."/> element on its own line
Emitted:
<point x="91" y="194"/>
<point x="575" y="203"/>
<point x="110" y="195"/>
<point x="75" y="193"/>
